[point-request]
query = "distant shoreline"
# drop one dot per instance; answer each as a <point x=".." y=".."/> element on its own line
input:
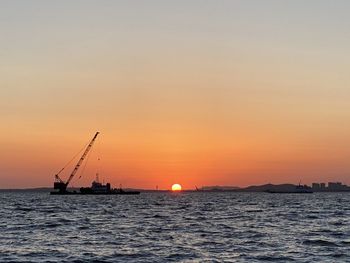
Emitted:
<point x="253" y="188"/>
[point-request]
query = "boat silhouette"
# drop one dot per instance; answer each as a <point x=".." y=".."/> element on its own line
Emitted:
<point x="299" y="189"/>
<point x="96" y="188"/>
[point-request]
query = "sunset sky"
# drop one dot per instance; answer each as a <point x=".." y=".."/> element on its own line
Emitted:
<point x="190" y="92"/>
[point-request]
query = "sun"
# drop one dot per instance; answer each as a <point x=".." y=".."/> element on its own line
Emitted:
<point x="176" y="187"/>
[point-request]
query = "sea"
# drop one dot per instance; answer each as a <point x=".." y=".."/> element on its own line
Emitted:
<point x="175" y="227"/>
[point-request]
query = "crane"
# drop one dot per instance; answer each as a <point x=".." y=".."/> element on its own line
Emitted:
<point x="59" y="183"/>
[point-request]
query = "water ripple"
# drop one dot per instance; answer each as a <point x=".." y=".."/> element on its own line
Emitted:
<point x="183" y="227"/>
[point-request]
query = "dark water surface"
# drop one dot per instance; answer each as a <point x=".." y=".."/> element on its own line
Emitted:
<point x="184" y="227"/>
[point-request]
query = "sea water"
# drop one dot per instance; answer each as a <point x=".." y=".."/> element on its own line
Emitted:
<point x="175" y="227"/>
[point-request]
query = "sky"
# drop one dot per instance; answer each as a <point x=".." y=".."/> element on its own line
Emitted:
<point x="190" y="92"/>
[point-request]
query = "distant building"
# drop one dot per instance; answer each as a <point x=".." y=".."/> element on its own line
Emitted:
<point x="336" y="186"/>
<point x="316" y="186"/>
<point x="332" y="187"/>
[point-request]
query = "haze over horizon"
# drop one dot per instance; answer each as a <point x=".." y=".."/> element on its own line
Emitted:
<point x="190" y="92"/>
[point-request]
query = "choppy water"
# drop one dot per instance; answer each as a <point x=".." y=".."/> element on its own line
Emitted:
<point x="166" y="227"/>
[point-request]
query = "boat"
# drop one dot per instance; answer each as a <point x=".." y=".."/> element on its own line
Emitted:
<point x="299" y="189"/>
<point x="96" y="188"/>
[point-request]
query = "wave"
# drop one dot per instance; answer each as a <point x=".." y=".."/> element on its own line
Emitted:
<point x="319" y="242"/>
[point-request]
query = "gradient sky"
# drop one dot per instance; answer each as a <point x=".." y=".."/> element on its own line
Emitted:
<point x="190" y="92"/>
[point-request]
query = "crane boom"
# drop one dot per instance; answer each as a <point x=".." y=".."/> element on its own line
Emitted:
<point x="60" y="184"/>
<point x="76" y="168"/>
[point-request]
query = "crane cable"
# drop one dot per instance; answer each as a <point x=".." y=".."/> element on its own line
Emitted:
<point x="75" y="156"/>
<point x="81" y="172"/>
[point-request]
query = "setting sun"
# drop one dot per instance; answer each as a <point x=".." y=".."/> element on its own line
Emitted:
<point x="176" y="187"/>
